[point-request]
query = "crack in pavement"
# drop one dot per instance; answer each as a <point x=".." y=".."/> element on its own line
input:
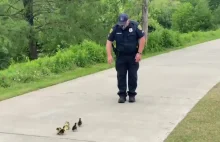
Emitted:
<point x="44" y="136"/>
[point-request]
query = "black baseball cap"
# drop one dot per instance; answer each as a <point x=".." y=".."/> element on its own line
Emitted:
<point x="122" y="19"/>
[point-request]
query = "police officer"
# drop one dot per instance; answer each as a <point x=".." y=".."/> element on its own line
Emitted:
<point x="130" y="41"/>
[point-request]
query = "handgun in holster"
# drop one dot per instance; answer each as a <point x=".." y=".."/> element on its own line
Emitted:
<point x="114" y="49"/>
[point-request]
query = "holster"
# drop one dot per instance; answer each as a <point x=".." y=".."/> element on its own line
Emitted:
<point x="115" y="50"/>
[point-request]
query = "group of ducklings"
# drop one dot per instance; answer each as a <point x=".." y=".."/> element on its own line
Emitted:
<point x="61" y="131"/>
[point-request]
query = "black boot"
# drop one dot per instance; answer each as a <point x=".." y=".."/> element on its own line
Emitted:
<point x="132" y="99"/>
<point x="121" y="99"/>
<point x="131" y="96"/>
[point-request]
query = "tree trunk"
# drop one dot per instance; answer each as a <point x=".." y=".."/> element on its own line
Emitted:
<point x="28" y="6"/>
<point x="145" y="16"/>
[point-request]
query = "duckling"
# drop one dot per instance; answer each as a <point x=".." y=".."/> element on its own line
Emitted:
<point x="66" y="126"/>
<point x="80" y="122"/>
<point x="74" y="127"/>
<point x="60" y="131"/>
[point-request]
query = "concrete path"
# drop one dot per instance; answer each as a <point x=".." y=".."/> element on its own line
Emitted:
<point x="169" y="86"/>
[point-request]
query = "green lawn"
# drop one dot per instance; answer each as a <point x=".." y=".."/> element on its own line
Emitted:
<point x="23" y="88"/>
<point x="202" y="123"/>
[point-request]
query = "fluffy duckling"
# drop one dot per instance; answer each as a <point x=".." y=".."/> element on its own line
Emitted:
<point x="60" y="131"/>
<point x="80" y="122"/>
<point x="74" y="127"/>
<point x="66" y="126"/>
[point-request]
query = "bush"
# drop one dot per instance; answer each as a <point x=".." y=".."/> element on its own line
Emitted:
<point x="170" y="39"/>
<point x="163" y="38"/>
<point x="154" y="41"/>
<point x="161" y="10"/>
<point x="153" y="25"/>
<point x="215" y="18"/>
<point x="96" y="53"/>
<point x="189" y="17"/>
<point x="13" y="40"/>
<point x="87" y="53"/>
<point x="195" y="36"/>
<point x="183" y="19"/>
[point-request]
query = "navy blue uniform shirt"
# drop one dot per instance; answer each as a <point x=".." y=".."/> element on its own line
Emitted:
<point x="140" y="33"/>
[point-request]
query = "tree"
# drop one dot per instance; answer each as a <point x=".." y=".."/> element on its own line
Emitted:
<point x="214" y="4"/>
<point x="183" y="18"/>
<point x="202" y="15"/>
<point x="29" y="16"/>
<point x="15" y="11"/>
<point x="215" y="17"/>
<point x="145" y="16"/>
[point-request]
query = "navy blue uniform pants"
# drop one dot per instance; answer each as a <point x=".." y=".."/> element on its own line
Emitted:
<point x="126" y="65"/>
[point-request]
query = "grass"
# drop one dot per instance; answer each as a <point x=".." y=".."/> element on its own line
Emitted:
<point x="23" y="88"/>
<point x="19" y="89"/>
<point x="202" y="123"/>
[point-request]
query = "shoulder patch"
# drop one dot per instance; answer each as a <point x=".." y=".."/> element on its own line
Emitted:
<point x="110" y="30"/>
<point x="139" y="27"/>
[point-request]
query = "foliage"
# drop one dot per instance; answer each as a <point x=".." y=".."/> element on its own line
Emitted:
<point x="13" y="41"/>
<point x="194" y="16"/>
<point x="89" y="53"/>
<point x="82" y="55"/>
<point x="60" y="25"/>
<point x="215" y="18"/>
<point x="214" y="4"/>
<point x="163" y="39"/>
<point x="203" y="16"/>
<point x="161" y="10"/>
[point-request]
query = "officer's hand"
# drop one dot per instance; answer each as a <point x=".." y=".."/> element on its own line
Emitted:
<point x="110" y="59"/>
<point x="138" y="57"/>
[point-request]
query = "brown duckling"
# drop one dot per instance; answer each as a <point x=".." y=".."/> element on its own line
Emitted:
<point x="60" y="131"/>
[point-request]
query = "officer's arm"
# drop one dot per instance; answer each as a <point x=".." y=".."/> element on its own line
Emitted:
<point x="111" y="38"/>
<point x="141" y="44"/>
<point x="141" y="37"/>
<point x="109" y="48"/>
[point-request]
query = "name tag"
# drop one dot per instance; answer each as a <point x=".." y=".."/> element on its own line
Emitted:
<point x="118" y="33"/>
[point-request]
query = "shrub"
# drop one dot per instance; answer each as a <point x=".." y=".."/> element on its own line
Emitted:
<point x="163" y="38"/>
<point x="195" y="36"/>
<point x="189" y="17"/>
<point x="170" y="39"/>
<point x="154" y="41"/>
<point x="183" y="19"/>
<point x="87" y="53"/>
<point x="82" y="58"/>
<point x="4" y="82"/>
<point x="96" y="53"/>
<point x="153" y="25"/>
<point x="215" y="18"/>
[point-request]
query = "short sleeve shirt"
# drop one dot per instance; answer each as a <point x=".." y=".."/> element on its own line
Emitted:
<point x="112" y="32"/>
<point x="111" y="35"/>
<point x="140" y="32"/>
